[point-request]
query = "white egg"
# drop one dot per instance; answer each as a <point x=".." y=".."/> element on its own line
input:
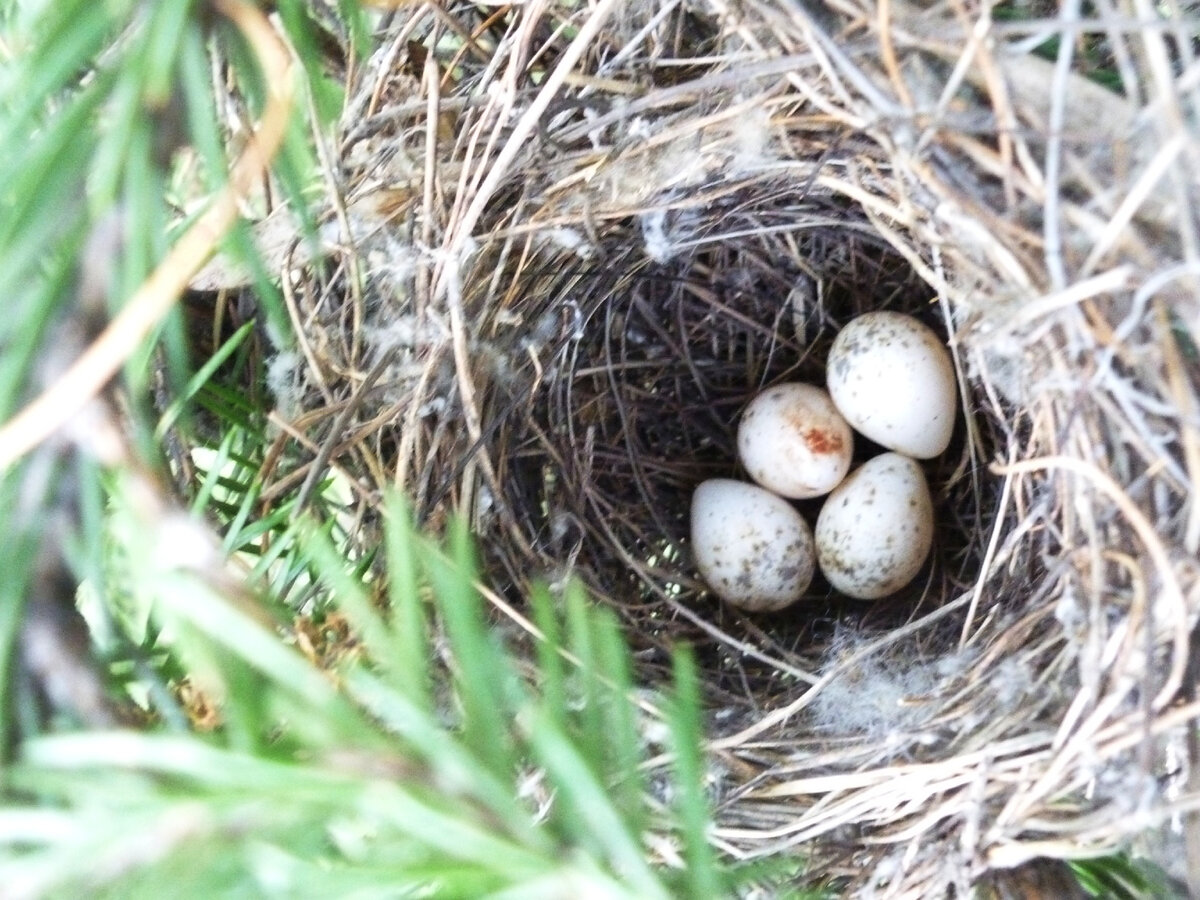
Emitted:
<point x="875" y="530"/>
<point x="752" y="548"/>
<point x="892" y="379"/>
<point x="794" y="442"/>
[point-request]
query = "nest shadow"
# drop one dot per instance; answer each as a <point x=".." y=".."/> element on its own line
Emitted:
<point x="639" y="369"/>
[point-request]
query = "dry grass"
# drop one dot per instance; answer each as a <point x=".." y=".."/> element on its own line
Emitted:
<point x="569" y="246"/>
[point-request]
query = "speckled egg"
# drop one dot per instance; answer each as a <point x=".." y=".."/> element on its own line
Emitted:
<point x="794" y="442"/>
<point x="751" y="547"/>
<point x="893" y="381"/>
<point x="875" y="530"/>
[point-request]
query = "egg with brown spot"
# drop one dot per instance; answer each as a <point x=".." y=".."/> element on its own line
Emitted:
<point x="752" y="548"/>
<point x="794" y="442"/>
<point x="876" y="529"/>
<point x="892" y="379"/>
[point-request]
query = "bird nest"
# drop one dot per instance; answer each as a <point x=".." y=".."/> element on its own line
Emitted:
<point x="572" y="240"/>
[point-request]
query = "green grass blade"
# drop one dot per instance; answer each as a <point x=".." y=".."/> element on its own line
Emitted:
<point x="188" y="605"/>
<point x="582" y="637"/>
<point x="589" y="811"/>
<point x="17" y="548"/>
<point x="458" y="771"/>
<point x="205" y="373"/>
<point x="551" y="670"/>
<point x="351" y="598"/>
<point x="410" y="639"/>
<point x="623" y="744"/>
<point x="59" y="45"/>
<point x="687" y="739"/>
<point x="483" y="676"/>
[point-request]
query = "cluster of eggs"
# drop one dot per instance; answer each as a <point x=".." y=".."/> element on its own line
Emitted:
<point x="891" y="379"/>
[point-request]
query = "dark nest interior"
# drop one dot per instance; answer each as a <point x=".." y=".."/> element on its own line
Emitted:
<point x="634" y="375"/>
<point x="566" y="243"/>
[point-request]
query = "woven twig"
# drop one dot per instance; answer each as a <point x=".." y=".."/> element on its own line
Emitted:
<point x="586" y="242"/>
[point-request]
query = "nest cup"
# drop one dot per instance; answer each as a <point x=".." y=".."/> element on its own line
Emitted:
<point x="648" y="346"/>
<point x="589" y="235"/>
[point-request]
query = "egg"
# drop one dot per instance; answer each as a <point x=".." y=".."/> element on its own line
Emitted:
<point x="892" y="379"/>
<point x="751" y="547"/>
<point x="794" y="442"/>
<point x="876" y="528"/>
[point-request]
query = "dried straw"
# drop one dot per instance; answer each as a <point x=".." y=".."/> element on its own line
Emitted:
<point x="584" y="235"/>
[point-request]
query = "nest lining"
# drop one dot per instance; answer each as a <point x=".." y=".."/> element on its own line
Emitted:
<point x="561" y="323"/>
<point x="639" y="395"/>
